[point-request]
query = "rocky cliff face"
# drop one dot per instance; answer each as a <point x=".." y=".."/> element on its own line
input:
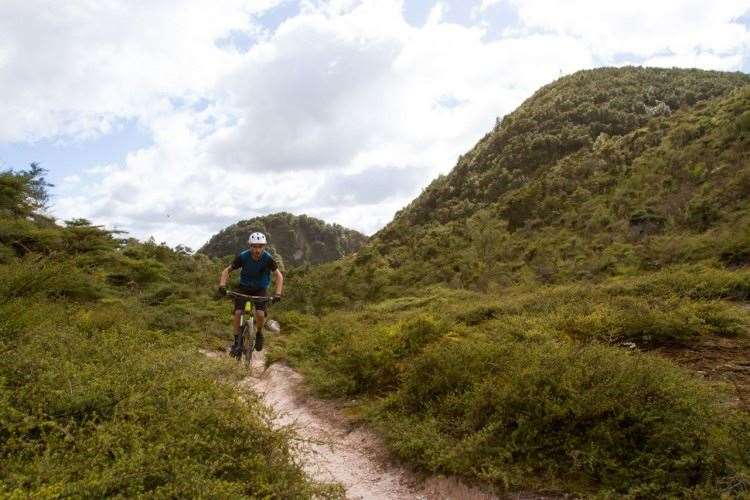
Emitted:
<point x="296" y="239"/>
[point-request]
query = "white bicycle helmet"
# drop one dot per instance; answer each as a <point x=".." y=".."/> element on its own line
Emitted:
<point x="257" y="239"/>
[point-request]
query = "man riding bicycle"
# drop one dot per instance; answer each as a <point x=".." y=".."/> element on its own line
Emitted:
<point x="255" y="277"/>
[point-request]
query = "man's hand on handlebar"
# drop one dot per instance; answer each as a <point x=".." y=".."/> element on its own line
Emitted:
<point x="276" y="298"/>
<point x="222" y="291"/>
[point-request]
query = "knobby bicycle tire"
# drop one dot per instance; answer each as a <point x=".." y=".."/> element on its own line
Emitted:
<point x="248" y="352"/>
<point x="238" y="353"/>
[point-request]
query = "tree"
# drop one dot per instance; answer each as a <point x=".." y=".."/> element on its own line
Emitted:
<point x="24" y="192"/>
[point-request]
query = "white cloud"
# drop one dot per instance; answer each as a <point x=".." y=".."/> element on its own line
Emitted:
<point x="72" y="68"/>
<point x="321" y="116"/>
<point x="302" y="119"/>
<point x="692" y="31"/>
<point x="336" y="92"/>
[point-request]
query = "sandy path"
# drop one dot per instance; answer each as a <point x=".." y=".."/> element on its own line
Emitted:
<point x="329" y="452"/>
<point x="332" y="450"/>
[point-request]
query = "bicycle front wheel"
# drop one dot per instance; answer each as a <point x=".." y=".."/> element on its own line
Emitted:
<point x="250" y="345"/>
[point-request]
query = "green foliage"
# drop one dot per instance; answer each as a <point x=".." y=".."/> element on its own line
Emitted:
<point x="80" y="236"/>
<point x="35" y="275"/>
<point x="94" y="405"/>
<point x="561" y="119"/>
<point x="650" y="320"/>
<point x="23" y="192"/>
<point x="103" y="392"/>
<point x="743" y="122"/>
<point x="643" y="191"/>
<point x="493" y="329"/>
<point x="735" y="250"/>
<point x="521" y="391"/>
<point x="507" y="411"/>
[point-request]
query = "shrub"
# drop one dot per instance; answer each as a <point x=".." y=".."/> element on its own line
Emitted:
<point x="743" y="122"/>
<point x="509" y="411"/>
<point x="693" y="281"/>
<point x="357" y="360"/>
<point x="93" y="405"/>
<point x="702" y="213"/>
<point x="736" y="248"/>
<point x="654" y="321"/>
<point x="37" y="275"/>
<point x="161" y="294"/>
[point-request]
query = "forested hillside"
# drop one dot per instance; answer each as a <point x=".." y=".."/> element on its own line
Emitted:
<point x="601" y="171"/>
<point x="103" y="391"/>
<point x="566" y="310"/>
<point x="297" y="239"/>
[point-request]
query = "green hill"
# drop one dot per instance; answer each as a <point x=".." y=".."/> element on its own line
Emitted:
<point x="564" y="311"/>
<point x="602" y="170"/>
<point x="298" y="239"/>
<point x="561" y="119"/>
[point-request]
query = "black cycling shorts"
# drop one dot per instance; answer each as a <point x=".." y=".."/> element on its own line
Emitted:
<point x="239" y="302"/>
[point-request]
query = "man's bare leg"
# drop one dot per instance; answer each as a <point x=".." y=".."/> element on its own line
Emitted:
<point x="260" y="320"/>
<point x="237" y="319"/>
<point x="236" y="323"/>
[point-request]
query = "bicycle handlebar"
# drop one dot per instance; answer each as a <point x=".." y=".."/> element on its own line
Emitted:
<point x="254" y="297"/>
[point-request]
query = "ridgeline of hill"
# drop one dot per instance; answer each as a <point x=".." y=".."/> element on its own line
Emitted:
<point x="506" y="325"/>
<point x="580" y="173"/>
<point x="297" y="239"/>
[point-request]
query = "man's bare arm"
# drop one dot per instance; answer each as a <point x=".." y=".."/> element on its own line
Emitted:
<point x="279" y="281"/>
<point x="225" y="276"/>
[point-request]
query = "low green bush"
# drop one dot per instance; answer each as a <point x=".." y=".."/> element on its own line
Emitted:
<point x="161" y="294"/>
<point x="652" y="320"/>
<point x="692" y="281"/>
<point x="357" y="360"/>
<point x="36" y="275"/>
<point x="103" y="392"/>
<point x="520" y="389"/>
<point x="92" y="404"/>
<point x="735" y="251"/>
<point x="585" y="418"/>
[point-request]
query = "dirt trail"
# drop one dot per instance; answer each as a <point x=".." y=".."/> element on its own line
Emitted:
<point x="333" y="450"/>
<point x="717" y="359"/>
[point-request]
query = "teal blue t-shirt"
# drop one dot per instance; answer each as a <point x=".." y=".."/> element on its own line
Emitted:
<point x="255" y="273"/>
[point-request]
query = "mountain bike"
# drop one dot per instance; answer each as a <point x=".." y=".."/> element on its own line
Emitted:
<point x="247" y="332"/>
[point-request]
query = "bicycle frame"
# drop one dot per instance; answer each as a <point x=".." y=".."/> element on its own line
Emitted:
<point x="247" y="331"/>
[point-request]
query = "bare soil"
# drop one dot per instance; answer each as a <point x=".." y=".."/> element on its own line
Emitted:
<point x="720" y="360"/>
<point x="717" y="359"/>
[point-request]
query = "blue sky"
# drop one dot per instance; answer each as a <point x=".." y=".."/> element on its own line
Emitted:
<point x="65" y="157"/>
<point x="175" y="119"/>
